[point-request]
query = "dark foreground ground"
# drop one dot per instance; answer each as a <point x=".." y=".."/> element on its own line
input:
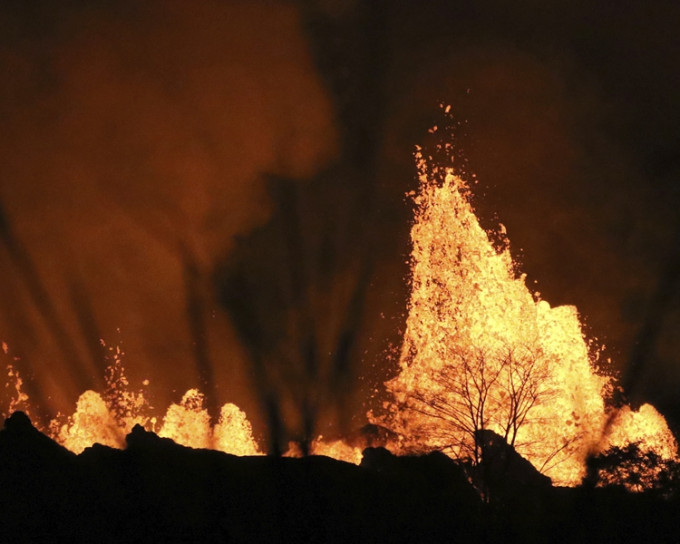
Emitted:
<point x="157" y="491"/>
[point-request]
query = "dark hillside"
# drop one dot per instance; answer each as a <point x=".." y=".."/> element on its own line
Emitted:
<point x="158" y="491"/>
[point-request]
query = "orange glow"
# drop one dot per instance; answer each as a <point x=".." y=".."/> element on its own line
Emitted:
<point x="337" y="449"/>
<point x="92" y="422"/>
<point x="188" y="423"/>
<point x="481" y="351"/>
<point x="646" y="427"/>
<point x="107" y="418"/>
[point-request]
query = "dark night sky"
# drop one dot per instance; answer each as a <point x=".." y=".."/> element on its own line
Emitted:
<point x="139" y="141"/>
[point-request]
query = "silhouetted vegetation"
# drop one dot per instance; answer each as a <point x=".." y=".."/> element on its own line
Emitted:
<point x="635" y="469"/>
<point x="480" y="389"/>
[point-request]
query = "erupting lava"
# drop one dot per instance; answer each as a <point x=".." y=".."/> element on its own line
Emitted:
<point x="481" y="352"/>
<point x="107" y="418"/>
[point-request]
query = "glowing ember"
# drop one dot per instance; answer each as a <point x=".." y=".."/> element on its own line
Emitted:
<point x="481" y="351"/>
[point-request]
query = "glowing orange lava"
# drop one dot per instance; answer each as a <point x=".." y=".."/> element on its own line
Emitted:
<point x="106" y="418"/>
<point x="481" y="351"/>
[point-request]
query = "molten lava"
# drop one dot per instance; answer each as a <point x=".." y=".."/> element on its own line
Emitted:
<point x="482" y="352"/>
<point x="107" y="418"/>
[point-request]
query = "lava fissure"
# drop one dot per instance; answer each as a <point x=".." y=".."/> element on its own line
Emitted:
<point x="481" y="354"/>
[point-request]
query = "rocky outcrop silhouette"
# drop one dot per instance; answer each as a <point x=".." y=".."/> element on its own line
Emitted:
<point x="158" y="491"/>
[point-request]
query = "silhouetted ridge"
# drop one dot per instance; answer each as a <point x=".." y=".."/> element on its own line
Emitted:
<point x="18" y="422"/>
<point x="38" y="489"/>
<point x="19" y="434"/>
<point x="158" y="491"/>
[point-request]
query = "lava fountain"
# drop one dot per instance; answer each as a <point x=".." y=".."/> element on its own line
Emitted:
<point x="107" y="417"/>
<point x="483" y="352"/>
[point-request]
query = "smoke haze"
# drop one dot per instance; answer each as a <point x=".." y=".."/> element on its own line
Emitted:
<point x="137" y="141"/>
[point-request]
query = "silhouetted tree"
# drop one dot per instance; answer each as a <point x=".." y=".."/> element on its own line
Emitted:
<point x="480" y="390"/>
